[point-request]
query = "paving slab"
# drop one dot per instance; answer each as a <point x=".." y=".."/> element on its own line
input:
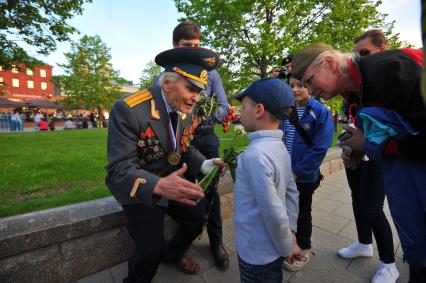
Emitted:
<point x="328" y="221"/>
<point x="345" y="211"/>
<point x="333" y="228"/>
<point x="327" y="205"/>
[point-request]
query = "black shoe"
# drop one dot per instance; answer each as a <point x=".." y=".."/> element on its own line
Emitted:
<point x="221" y="257"/>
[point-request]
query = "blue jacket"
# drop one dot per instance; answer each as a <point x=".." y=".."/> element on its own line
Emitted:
<point x="305" y="160"/>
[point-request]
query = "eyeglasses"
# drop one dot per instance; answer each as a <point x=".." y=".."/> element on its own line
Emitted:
<point x="364" y="52"/>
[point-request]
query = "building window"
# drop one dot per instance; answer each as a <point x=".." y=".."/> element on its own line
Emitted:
<point x="15" y="82"/>
<point x="29" y="72"/>
<point x="30" y="84"/>
<point x="42" y="73"/>
<point x="43" y="86"/>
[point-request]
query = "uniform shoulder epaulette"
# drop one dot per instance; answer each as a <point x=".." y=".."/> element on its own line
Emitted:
<point x="138" y="98"/>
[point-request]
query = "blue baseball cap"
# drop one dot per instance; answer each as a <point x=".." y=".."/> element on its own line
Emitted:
<point x="273" y="93"/>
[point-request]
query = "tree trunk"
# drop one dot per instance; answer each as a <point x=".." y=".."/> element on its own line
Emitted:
<point x="100" y="123"/>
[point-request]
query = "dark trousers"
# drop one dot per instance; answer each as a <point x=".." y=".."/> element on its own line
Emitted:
<point x="304" y="220"/>
<point x="208" y="145"/>
<point x="367" y="185"/>
<point x="268" y="273"/>
<point x="417" y="274"/>
<point x="146" y="227"/>
<point x="405" y="189"/>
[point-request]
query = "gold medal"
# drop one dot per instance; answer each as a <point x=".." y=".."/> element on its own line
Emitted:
<point x="174" y="158"/>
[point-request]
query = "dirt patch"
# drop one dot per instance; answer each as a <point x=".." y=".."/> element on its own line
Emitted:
<point x="54" y="190"/>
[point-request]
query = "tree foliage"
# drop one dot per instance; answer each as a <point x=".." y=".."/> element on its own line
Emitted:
<point x="252" y="36"/>
<point x="38" y="23"/>
<point x="149" y="74"/>
<point x="89" y="81"/>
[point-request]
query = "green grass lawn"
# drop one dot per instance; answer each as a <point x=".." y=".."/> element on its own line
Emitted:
<point x="48" y="169"/>
<point x="41" y="170"/>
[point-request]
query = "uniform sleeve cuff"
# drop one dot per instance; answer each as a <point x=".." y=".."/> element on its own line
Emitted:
<point x="143" y="187"/>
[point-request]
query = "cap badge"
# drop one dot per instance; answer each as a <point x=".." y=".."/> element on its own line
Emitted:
<point x="210" y="61"/>
<point x="204" y="75"/>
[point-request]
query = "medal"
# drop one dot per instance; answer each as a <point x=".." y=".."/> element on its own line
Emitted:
<point x="174" y="158"/>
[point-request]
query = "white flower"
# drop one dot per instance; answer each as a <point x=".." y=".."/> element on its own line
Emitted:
<point x="239" y="130"/>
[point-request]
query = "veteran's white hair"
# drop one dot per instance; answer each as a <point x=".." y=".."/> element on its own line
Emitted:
<point x="170" y="76"/>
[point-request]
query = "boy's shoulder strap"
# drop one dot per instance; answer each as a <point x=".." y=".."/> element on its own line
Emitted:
<point x="294" y="120"/>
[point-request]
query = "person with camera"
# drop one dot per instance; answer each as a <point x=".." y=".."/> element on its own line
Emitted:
<point x="307" y="151"/>
<point x="365" y="179"/>
<point x="391" y="128"/>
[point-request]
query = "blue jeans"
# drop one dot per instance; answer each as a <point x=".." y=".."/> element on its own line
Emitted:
<point x="268" y="273"/>
<point x="405" y="183"/>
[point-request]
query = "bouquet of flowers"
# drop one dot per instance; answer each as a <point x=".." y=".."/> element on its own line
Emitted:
<point x="206" y="106"/>
<point x="230" y="157"/>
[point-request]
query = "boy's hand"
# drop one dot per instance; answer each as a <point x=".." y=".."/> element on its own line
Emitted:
<point x="297" y="253"/>
<point x="293" y="238"/>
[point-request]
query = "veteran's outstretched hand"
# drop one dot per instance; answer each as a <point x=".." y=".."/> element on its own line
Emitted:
<point x="175" y="187"/>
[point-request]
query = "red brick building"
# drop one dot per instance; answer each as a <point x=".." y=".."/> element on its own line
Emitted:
<point x="27" y="84"/>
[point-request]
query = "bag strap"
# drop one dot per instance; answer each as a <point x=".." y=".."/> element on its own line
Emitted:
<point x="294" y="120"/>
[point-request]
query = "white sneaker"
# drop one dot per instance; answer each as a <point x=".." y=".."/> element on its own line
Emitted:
<point x="356" y="250"/>
<point x="387" y="273"/>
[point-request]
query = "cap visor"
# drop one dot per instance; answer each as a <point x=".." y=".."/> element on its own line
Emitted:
<point x="240" y="96"/>
<point x="196" y="83"/>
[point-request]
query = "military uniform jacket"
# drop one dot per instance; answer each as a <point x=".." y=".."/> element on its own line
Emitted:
<point x="139" y="144"/>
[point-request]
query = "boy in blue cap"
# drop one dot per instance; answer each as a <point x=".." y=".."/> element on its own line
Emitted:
<point x="265" y="195"/>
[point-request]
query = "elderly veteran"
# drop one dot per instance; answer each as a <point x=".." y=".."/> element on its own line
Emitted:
<point x="149" y="157"/>
<point x="392" y="117"/>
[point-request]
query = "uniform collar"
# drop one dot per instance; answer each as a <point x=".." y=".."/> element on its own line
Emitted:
<point x="168" y="108"/>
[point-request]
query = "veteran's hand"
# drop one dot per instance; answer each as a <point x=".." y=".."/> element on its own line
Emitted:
<point x="357" y="141"/>
<point x="175" y="187"/>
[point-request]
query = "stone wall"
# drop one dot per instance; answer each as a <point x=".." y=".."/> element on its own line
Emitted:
<point x="67" y="243"/>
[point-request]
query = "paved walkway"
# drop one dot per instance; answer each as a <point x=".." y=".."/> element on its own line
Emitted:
<point x="334" y="227"/>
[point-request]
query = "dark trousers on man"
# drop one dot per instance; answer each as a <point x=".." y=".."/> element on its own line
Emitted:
<point x="207" y="143"/>
<point x="146" y="227"/>
<point x="367" y="185"/>
<point x="304" y="220"/>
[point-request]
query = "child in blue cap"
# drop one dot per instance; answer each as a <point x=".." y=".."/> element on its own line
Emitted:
<point x="266" y="200"/>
